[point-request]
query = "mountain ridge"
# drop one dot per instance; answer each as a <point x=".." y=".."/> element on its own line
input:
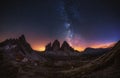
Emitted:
<point x="112" y="59"/>
<point x="16" y="55"/>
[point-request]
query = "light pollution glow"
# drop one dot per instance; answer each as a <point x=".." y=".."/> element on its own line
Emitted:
<point x="77" y="43"/>
<point x="79" y="48"/>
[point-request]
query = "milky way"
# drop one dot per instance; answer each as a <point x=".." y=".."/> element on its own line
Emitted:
<point x="82" y="23"/>
<point x="70" y="14"/>
<point x="72" y="38"/>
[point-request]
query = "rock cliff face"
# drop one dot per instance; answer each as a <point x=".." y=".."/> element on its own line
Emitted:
<point x="64" y="50"/>
<point x="56" y="45"/>
<point x="48" y="47"/>
<point x="18" y="49"/>
<point x="24" y="44"/>
<point x="20" y="43"/>
<point x="66" y="47"/>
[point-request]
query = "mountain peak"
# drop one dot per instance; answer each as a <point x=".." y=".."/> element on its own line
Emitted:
<point x="65" y="43"/>
<point x="56" y="42"/>
<point x="56" y="45"/>
<point x="22" y="38"/>
<point x="66" y="47"/>
<point x="19" y="43"/>
<point x="48" y="47"/>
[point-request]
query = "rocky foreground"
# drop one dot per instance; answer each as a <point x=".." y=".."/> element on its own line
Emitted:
<point x="19" y="60"/>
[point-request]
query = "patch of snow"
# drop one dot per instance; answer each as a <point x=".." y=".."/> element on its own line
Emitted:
<point x="8" y="47"/>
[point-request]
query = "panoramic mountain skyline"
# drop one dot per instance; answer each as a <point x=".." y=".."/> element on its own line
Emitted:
<point x="19" y="60"/>
<point x="81" y="23"/>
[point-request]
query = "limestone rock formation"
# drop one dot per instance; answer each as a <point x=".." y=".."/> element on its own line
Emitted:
<point x="56" y="45"/>
<point x="66" y="47"/>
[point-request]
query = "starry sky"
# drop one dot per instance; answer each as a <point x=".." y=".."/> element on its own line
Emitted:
<point x="82" y="23"/>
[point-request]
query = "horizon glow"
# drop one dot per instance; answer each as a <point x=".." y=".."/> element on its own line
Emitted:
<point x="80" y="48"/>
<point x="78" y="43"/>
<point x="82" y="24"/>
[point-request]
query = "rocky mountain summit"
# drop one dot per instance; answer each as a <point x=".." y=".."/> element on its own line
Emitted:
<point x="13" y="43"/>
<point x="18" y="49"/>
<point x="19" y="60"/>
<point x="66" y="47"/>
<point x="56" y="46"/>
<point x="64" y="50"/>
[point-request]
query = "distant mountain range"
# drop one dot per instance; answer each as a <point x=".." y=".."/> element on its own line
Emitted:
<point x="105" y="66"/>
<point x="20" y="49"/>
<point x="17" y="53"/>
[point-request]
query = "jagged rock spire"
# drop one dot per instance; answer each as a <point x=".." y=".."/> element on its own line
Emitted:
<point x="56" y="45"/>
<point x="66" y="47"/>
<point x="48" y="47"/>
<point x="22" y="38"/>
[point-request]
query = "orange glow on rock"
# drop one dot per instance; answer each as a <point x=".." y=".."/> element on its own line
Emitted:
<point x="79" y="48"/>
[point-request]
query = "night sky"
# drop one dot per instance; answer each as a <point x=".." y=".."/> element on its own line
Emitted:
<point x="83" y="23"/>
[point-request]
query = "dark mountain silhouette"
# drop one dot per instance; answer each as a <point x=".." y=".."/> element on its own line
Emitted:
<point x="18" y="49"/>
<point x="19" y="60"/>
<point x="97" y="51"/>
<point x="66" y="47"/>
<point x="106" y="66"/>
<point x="56" y="50"/>
<point x="66" y="50"/>
<point x="20" y="42"/>
<point x="56" y="45"/>
<point x="48" y="47"/>
<point x="16" y="54"/>
<point x="24" y="44"/>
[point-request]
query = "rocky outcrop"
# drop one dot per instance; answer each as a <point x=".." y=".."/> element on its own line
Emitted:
<point x="24" y="44"/>
<point x="48" y="47"/>
<point x="18" y="49"/>
<point x="56" y="50"/>
<point x="15" y="43"/>
<point x="56" y="45"/>
<point x="66" y="47"/>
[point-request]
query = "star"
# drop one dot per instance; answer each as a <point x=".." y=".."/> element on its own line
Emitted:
<point x="67" y="25"/>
